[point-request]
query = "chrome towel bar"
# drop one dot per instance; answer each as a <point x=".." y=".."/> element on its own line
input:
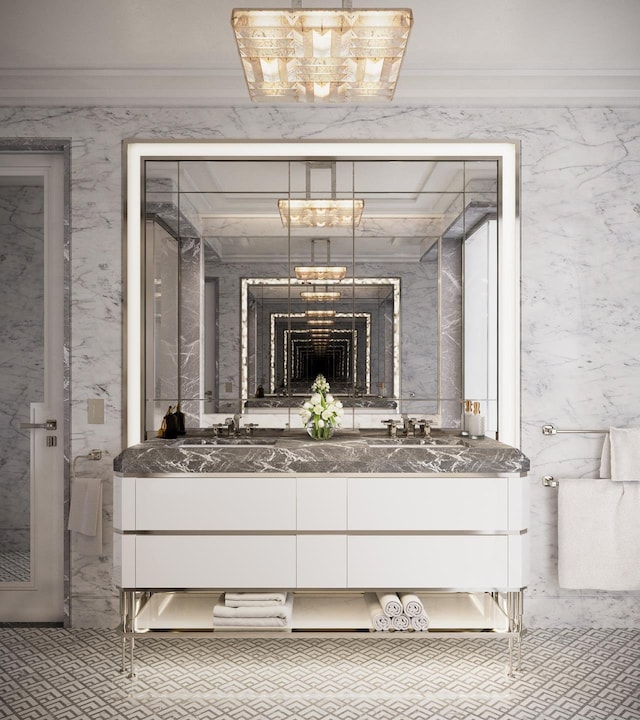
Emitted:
<point x="550" y="481"/>
<point x="553" y="430"/>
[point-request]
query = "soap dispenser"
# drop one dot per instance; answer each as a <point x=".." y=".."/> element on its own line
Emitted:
<point x="476" y="422"/>
<point x="468" y="414"/>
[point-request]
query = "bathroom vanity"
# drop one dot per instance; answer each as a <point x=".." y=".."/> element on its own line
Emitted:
<point x="440" y="516"/>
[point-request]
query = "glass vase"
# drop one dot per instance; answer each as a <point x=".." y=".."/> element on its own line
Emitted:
<point x="319" y="433"/>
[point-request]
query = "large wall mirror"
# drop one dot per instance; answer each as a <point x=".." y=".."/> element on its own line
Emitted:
<point x="391" y="268"/>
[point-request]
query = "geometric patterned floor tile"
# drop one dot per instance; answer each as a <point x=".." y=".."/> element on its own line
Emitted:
<point x="574" y="674"/>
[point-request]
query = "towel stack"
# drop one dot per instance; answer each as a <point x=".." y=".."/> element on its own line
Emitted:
<point x="392" y="611"/>
<point x="268" y="610"/>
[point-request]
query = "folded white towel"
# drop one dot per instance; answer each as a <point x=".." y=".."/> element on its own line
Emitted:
<point x="257" y="622"/>
<point x="400" y="622"/>
<point x="85" y="514"/>
<point x="598" y="534"/>
<point x="625" y="454"/>
<point x="420" y="622"/>
<point x="390" y="604"/>
<point x="257" y="611"/>
<point x="245" y="599"/>
<point x="411" y="604"/>
<point x="605" y="458"/>
<point x="378" y="618"/>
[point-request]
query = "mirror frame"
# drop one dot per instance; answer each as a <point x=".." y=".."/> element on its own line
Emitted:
<point x="246" y="283"/>
<point x="506" y="153"/>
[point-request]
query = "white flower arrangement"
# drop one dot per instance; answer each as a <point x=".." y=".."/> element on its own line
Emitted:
<point x="321" y="413"/>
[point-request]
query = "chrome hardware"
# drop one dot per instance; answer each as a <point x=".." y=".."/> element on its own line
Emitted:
<point x="424" y="427"/>
<point x="553" y="430"/>
<point x="46" y="425"/>
<point x="550" y="481"/>
<point x="248" y="428"/>
<point x="392" y="425"/>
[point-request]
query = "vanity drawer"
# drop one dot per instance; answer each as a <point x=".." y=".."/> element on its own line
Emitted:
<point x="322" y="561"/>
<point x="421" y="562"/>
<point x="215" y="561"/>
<point x="322" y="503"/>
<point x="428" y="503"/>
<point x="225" y="503"/>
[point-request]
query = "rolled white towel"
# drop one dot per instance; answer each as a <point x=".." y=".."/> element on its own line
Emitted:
<point x="411" y="604"/>
<point x="390" y="604"/>
<point x="378" y="618"/>
<point x="247" y="599"/>
<point x="401" y="622"/>
<point x="420" y="622"/>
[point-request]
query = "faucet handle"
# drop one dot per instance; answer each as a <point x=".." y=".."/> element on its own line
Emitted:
<point x="392" y="425"/>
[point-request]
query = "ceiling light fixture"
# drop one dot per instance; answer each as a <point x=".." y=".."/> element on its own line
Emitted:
<point x="320" y="313"/>
<point x="320" y="272"/>
<point x="321" y="55"/>
<point x="320" y="323"/>
<point x="320" y="212"/>
<point x="320" y="295"/>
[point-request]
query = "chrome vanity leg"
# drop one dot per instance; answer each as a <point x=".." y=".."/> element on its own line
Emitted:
<point x="127" y="619"/>
<point x="514" y="615"/>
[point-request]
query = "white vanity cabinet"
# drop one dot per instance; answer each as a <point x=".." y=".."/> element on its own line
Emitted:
<point x="460" y="541"/>
<point x="305" y="532"/>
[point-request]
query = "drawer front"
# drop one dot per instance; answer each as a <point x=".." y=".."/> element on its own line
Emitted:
<point x="423" y="562"/>
<point x="322" y="503"/>
<point x="322" y="561"/>
<point x="415" y="503"/>
<point x="218" y="561"/>
<point x="228" y="503"/>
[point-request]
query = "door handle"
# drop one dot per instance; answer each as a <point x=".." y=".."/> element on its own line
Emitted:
<point x="46" y="425"/>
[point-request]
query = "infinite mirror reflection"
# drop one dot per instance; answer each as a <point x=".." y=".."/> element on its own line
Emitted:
<point x="245" y="304"/>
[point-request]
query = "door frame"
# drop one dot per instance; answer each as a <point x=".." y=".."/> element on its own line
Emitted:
<point x="34" y="145"/>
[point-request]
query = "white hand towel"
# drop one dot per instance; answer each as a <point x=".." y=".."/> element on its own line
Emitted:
<point x="85" y="514"/>
<point x="257" y="611"/>
<point x="625" y="454"/>
<point x="411" y="604"/>
<point x="598" y="534"/>
<point x="420" y="622"/>
<point x="605" y="458"/>
<point x="400" y="622"/>
<point x="245" y="599"/>
<point x="381" y="622"/>
<point x="390" y="604"/>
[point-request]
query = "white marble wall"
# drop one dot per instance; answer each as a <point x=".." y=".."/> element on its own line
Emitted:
<point x="580" y="293"/>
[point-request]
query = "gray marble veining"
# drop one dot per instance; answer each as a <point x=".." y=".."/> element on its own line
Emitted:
<point x="295" y="453"/>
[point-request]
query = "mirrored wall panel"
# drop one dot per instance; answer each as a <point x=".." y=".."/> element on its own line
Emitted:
<point x="261" y="273"/>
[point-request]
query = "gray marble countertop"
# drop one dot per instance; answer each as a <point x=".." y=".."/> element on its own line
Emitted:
<point x="349" y="452"/>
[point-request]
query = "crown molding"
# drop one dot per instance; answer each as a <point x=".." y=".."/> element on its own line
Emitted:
<point x="224" y="86"/>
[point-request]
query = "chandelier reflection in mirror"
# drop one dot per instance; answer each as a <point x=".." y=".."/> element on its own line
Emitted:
<point x="320" y="211"/>
<point x="320" y="272"/>
<point x="321" y="55"/>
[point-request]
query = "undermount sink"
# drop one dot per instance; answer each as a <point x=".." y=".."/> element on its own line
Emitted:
<point x="222" y="441"/>
<point x="416" y="442"/>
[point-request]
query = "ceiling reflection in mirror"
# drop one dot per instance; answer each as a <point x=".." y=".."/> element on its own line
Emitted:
<point x="262" y="273"/>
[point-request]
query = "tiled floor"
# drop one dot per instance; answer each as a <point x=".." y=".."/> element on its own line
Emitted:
<point x="567" y="674"/>
<point x="15" y="566"/>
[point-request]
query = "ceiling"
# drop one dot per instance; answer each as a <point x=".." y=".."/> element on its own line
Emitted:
<point x="164" y="52"/>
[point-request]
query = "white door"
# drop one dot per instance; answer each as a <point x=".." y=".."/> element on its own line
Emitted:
<point x="31" y="387"/>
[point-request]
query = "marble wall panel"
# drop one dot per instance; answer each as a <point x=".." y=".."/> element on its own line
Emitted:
<point x="580" y="295"/>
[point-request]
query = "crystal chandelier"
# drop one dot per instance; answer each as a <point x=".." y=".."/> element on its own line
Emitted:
<point x="328" y="55"/>
<point x="320" y="272"/>
<point x="320" y="212"/>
